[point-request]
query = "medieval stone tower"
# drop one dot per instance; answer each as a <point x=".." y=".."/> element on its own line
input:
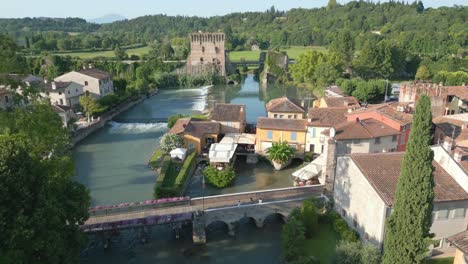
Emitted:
<point x="206" y="53"/>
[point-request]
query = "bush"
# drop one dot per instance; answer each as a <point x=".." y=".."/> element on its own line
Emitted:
<point x="356" y="253"/>
<point x="309" y="156"/>
<point x="220" y="179"/>
<point x="292" y="238"/>
<point x="309" y="218"/>
<point x="172" y="119"/>
<point x="281" y="152"/>
<point x="170" y="142"/>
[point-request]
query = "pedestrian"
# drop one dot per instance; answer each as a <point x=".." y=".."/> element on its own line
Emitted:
<point x="251" y="200"/>
<point x="239" y="203"/>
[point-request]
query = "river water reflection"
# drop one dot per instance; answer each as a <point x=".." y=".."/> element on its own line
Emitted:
<point x="112" y="163"/>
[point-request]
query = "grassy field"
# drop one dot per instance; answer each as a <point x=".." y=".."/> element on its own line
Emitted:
<point x="322" y="245"/>
<point x="293" y="53"/>
<point x="107" y="54"/>
<point x="440" y="261"/>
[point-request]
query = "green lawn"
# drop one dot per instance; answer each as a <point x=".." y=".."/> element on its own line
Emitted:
<point x="155" y="160"/>
<point x="293" y="53"/>
<point x="322" y="245"/>
<point x="108" y="54"/>
<point x="440" y="261"/>
<point x="171" y="175"/>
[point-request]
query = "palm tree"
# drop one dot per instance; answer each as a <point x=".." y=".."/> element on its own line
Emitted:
<point x="280" y="154"/>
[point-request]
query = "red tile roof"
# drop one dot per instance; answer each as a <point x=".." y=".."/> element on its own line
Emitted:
<point x="364" y="129"/>
<point x="327" y="117"/>
<point x="389" y="110"/>
<point x="460" y="240"/>
<point x="285" y="104"/>
<point x="382" y="170"/>
<point x="95" y="73"/>
<point x="347" y="101"/>
<point x="179" y="126"/>
<point x="228" y="112"/>
<point x="195" y="128"/>
<point x="282" y="124"/>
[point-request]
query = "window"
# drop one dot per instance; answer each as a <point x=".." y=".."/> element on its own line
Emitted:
<point x="377" y="140"/>
<point x="442" y="214"/>
<point x="86" y="83"/>
<point x="6" y="98"/>
<point x="61" y="101"/>
<point x="403" y="138"/>
<point x="293" y="135"/>
<point x="290" y="116"/>
<point x="60" y="93"/>
<point x="356" y="141"/>
<point x="281" y="116"/>
<point x="68" y="92"/>
<point x="312" y="131"/>
<point x="202" y="49"/>
<point x="269" y="134"/>
<point x="323" y="147"/>
<point x="312" y="148"/>
<point x="459" y="213"/>
<point x="394" y="138"/>
<point x="228" y="124"/>
<point x="191" y="146"/>
<point x="76" y="90"/>
<point x="275" y="116"/>
<point x="295" y="116"/>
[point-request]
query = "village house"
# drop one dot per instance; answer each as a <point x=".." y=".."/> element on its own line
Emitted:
<point x="445" y="100"/>
<point x="392" y="115"/>
<point x="452" y="129"/>
<point x="96" y="82"/>
<point x="21" y="81"/>
<point x="460" y="241"/>
<point x="231" y="117"/>
<point x="6" y="98"/>
<point x="346" y="101"/>
<point x="363" y="136"/>
<point x="63" y="93"/>
<point x="65" y="113"/>
<point x="371" y="180"/>
<point x="320" y="120"/>
<point x="271" y="130"/>
<point x="197" y="135"/>
<point x="285" y="108"/>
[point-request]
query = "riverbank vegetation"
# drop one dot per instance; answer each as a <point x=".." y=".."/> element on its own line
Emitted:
<point x="219" y="178"/>
<point x="173" y="176"/>
<point x="39" y="197"/>
<point x="316" y="234"/>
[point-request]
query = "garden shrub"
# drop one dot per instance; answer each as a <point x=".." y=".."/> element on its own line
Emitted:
<point x="309" y="218"/>
<point x="220" y="179"/>
<point x="170" y="142"/>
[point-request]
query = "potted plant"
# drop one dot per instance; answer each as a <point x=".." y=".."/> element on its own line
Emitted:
<point x="281" y="154"/>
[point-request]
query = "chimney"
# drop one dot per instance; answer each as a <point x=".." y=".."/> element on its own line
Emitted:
<point x="458" y="155"/>
<point x="54" y="87"/>
<point x="447" y="144"/>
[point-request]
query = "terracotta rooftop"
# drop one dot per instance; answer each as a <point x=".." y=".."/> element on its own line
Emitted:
<point x="228" y="112"/>
<point x="59" y="86"/>
<point x="459" y="91"/>
<point x="327" y="117"/>
<point x="285" y="104"/>
<point x="364" y="129"/>
<point x="451" y="126"/>
<point x="389" y="110"/>
<point x="335" y="89"/>
<point x="382" y="170"/>
<point x="282" y="124"/>
<point x="195" y="128"/>
<point x="95" y="73"/>
<point x="347" y="101"/>
<point x="460" y="241"/>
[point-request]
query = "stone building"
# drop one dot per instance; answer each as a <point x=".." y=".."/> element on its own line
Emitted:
<point x="207" y="53"/>
<point x="96" y="82"/>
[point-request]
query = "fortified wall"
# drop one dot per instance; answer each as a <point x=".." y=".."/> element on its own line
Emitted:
<point x="207" y="53"/>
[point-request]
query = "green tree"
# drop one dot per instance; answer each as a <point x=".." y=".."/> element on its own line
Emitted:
<point x="344" y="46"/>
<point x="309" y="217"/>
<point x="292" y="239"/>
<point x="120" y="53"/>
<point x="220" y="178"/>
<point x="423" y="73"/>
<point x="170" y="142"/>
<point x="356" y="253"/>
<point x="42" y="207"/>
<point x="10" y="61"/>
<point x="332" y="4"/>
<point x="407" y="234"/>
<point x="374" y="60"/>
<point x="90" y="106"/>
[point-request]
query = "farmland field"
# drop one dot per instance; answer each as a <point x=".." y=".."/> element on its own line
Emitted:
<point x="108" y="53"/>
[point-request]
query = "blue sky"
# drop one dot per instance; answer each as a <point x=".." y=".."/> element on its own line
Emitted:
<point x="134" y="8"/>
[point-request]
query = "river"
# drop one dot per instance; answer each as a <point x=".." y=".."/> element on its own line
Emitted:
<point x="112" y="163"/>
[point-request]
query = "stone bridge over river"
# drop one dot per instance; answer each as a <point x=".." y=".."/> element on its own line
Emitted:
<point x="201" y="212"/>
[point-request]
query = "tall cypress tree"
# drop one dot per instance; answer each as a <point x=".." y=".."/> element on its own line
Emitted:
<point x="407" y="235"/>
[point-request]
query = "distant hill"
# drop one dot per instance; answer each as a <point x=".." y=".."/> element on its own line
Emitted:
<point x="107" y="19"/>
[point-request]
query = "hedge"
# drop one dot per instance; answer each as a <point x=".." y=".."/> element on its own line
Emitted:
<point x="161" y="191"/>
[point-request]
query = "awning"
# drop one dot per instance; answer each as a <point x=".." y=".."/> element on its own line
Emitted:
<point x="222" y="153"/>
<point x="310" y="170"/>
<point x="238" y="138"/>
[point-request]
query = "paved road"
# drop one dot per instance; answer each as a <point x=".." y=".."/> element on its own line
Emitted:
<point x="211" y="202"/>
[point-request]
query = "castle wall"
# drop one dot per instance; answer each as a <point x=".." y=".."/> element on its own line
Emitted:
<point x="207" y="52"/>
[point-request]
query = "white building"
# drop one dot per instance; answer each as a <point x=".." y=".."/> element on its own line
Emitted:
<point x="98" y="83"/>
<point x="364" y="190"/>
<point x="63" y="93"/>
